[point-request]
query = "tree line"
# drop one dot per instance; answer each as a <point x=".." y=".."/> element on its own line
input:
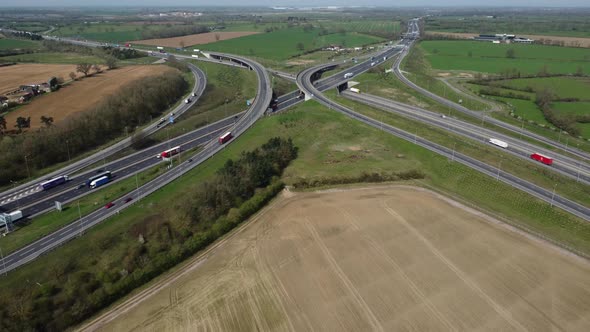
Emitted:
<point x="174" y="31"/>
<point x="134" y="105"/>
<point x="73" y="289"/>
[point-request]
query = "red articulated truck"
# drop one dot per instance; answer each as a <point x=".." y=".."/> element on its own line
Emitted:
<point x="544" y="159"/>
<point x="225" y="137"/>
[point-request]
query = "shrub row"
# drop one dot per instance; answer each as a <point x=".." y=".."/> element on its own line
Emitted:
<point x="364" y="177"/>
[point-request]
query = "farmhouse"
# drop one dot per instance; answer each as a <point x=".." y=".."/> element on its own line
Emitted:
<point x="503" y="39"/>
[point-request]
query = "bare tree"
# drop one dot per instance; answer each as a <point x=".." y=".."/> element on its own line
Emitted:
<point x="181" y="44"/>
<point x="97" y="68"/>
<point x="73" y="76"/>
<point x="510" y="53"/>
<point x="217" y="37"/>
<point x="84" y="68"/>
<point x="47" y="120"/>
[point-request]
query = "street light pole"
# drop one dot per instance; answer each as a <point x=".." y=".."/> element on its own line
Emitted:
<point x="453" y="156"/>
<point x="68" y="147"/>
<point x="27" y="163"/>
<point x="553" y="196"/>
<point x="499" y="165"/>
<point x="3" y="262"/>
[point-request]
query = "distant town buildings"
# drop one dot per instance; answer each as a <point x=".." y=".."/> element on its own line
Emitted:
<point x="503" y="39"/>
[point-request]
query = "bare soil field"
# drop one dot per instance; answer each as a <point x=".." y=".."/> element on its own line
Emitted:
<point x="198" y="39"/>
<point x="80" y="95"/>
<point x="11" y="77"/>
<point x="382" y="258"/>
<point x="569" y="41"/>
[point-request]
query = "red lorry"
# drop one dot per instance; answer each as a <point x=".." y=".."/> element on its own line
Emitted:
<point x="544" y="159"/>
<point x="170" y="152"/>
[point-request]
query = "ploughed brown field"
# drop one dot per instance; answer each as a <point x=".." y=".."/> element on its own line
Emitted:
<point x="381" y="258"/>
<point x="11" y="77"/>
<point x="568" y="41"/>
<point x="198" y="39"/>
<point x="80" y="95"/>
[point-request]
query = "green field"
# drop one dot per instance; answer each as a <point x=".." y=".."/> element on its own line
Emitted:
<point x="370" y="27"/>
<point x="561" y="87"/>
<point x="50" y="57"/>
<point x="7" y="44"/>
<point x="575" y="108"/>
<point x="550" y="24"/>
<point x="106" y="32"/>
<point x="526" y="109"/>
<point x="282" y="44"/>
<point x="491" y="58"/>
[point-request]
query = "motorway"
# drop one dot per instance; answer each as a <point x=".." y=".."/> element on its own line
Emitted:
<point x="515" y="147"/>
<point x="76" y="228"/>
<point x="304" y="81"/>
<point x="459" y="108"/>
<point x="22" y="191"/>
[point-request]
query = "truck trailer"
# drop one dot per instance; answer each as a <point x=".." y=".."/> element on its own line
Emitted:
<point x="541" y="158"/>
<point x="499" y="143"/>
<point x="225" y="137"/>
<point x="99" y="182"/>
<point x="53" y="182"/>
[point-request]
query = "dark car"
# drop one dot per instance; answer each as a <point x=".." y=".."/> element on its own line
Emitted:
<point x="190" y="160"/>
<point x="109" y="205"/>
<point x="81" y="185"/>
<point x="128" y="199"/>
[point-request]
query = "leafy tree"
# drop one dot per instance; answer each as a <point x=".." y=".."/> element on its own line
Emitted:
<point x="22" y="122"/>
<point x="2" y="124"/>
<point x="111" y="62"/>
<point x="300" y="46"/>
<point x="47" y="120"/>
<point x="579" y="71"/>
<point x="84" y="68"/>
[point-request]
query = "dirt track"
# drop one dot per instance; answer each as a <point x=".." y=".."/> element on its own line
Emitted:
<point x="11" y="77"/>
<point x="81" y="95"/>
<point x="569" y="41"/>
<point x="386" y="258"/>
<point x="198" y="39"/>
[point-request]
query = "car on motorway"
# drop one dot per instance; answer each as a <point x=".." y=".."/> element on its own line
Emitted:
<point x="190" y="160"/>
<point x="81" y="185"/>
<point x="348" y="75"/>
<point x="128" y="199"/>
<point x="109" y="205"/>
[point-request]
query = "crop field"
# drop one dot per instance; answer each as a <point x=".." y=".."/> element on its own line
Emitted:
<point x="491" y="58"/>
<point x="107" y="32"/>
<point x="282" y="44"/>
<point x="6" y="44"/>
<point x="196" y="39"/>
<point x="561" y="87"/>
<point x="80" y="95"/>
<point x="14" y="76"/>
<point x="381" y="258"/>
<point x="567" y="41"/>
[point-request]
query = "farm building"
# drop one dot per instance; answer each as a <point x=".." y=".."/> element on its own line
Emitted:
<point x="503" y="38"/>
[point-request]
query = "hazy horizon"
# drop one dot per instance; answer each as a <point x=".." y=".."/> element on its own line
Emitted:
<point x="302" y="3"/>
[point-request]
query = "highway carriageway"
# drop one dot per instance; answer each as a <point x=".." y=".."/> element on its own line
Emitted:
<point x="304" y="82"/>
<point x="578" y="171"/>
<point x="573" y="151"/>
<point x="76" y="228"/>
<point x="295" y="97"/>
<point x="30" y="187"/>
<point x="42" y="201"/>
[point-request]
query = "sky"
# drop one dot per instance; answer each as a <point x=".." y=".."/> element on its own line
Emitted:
<point x="298" y="3"/>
